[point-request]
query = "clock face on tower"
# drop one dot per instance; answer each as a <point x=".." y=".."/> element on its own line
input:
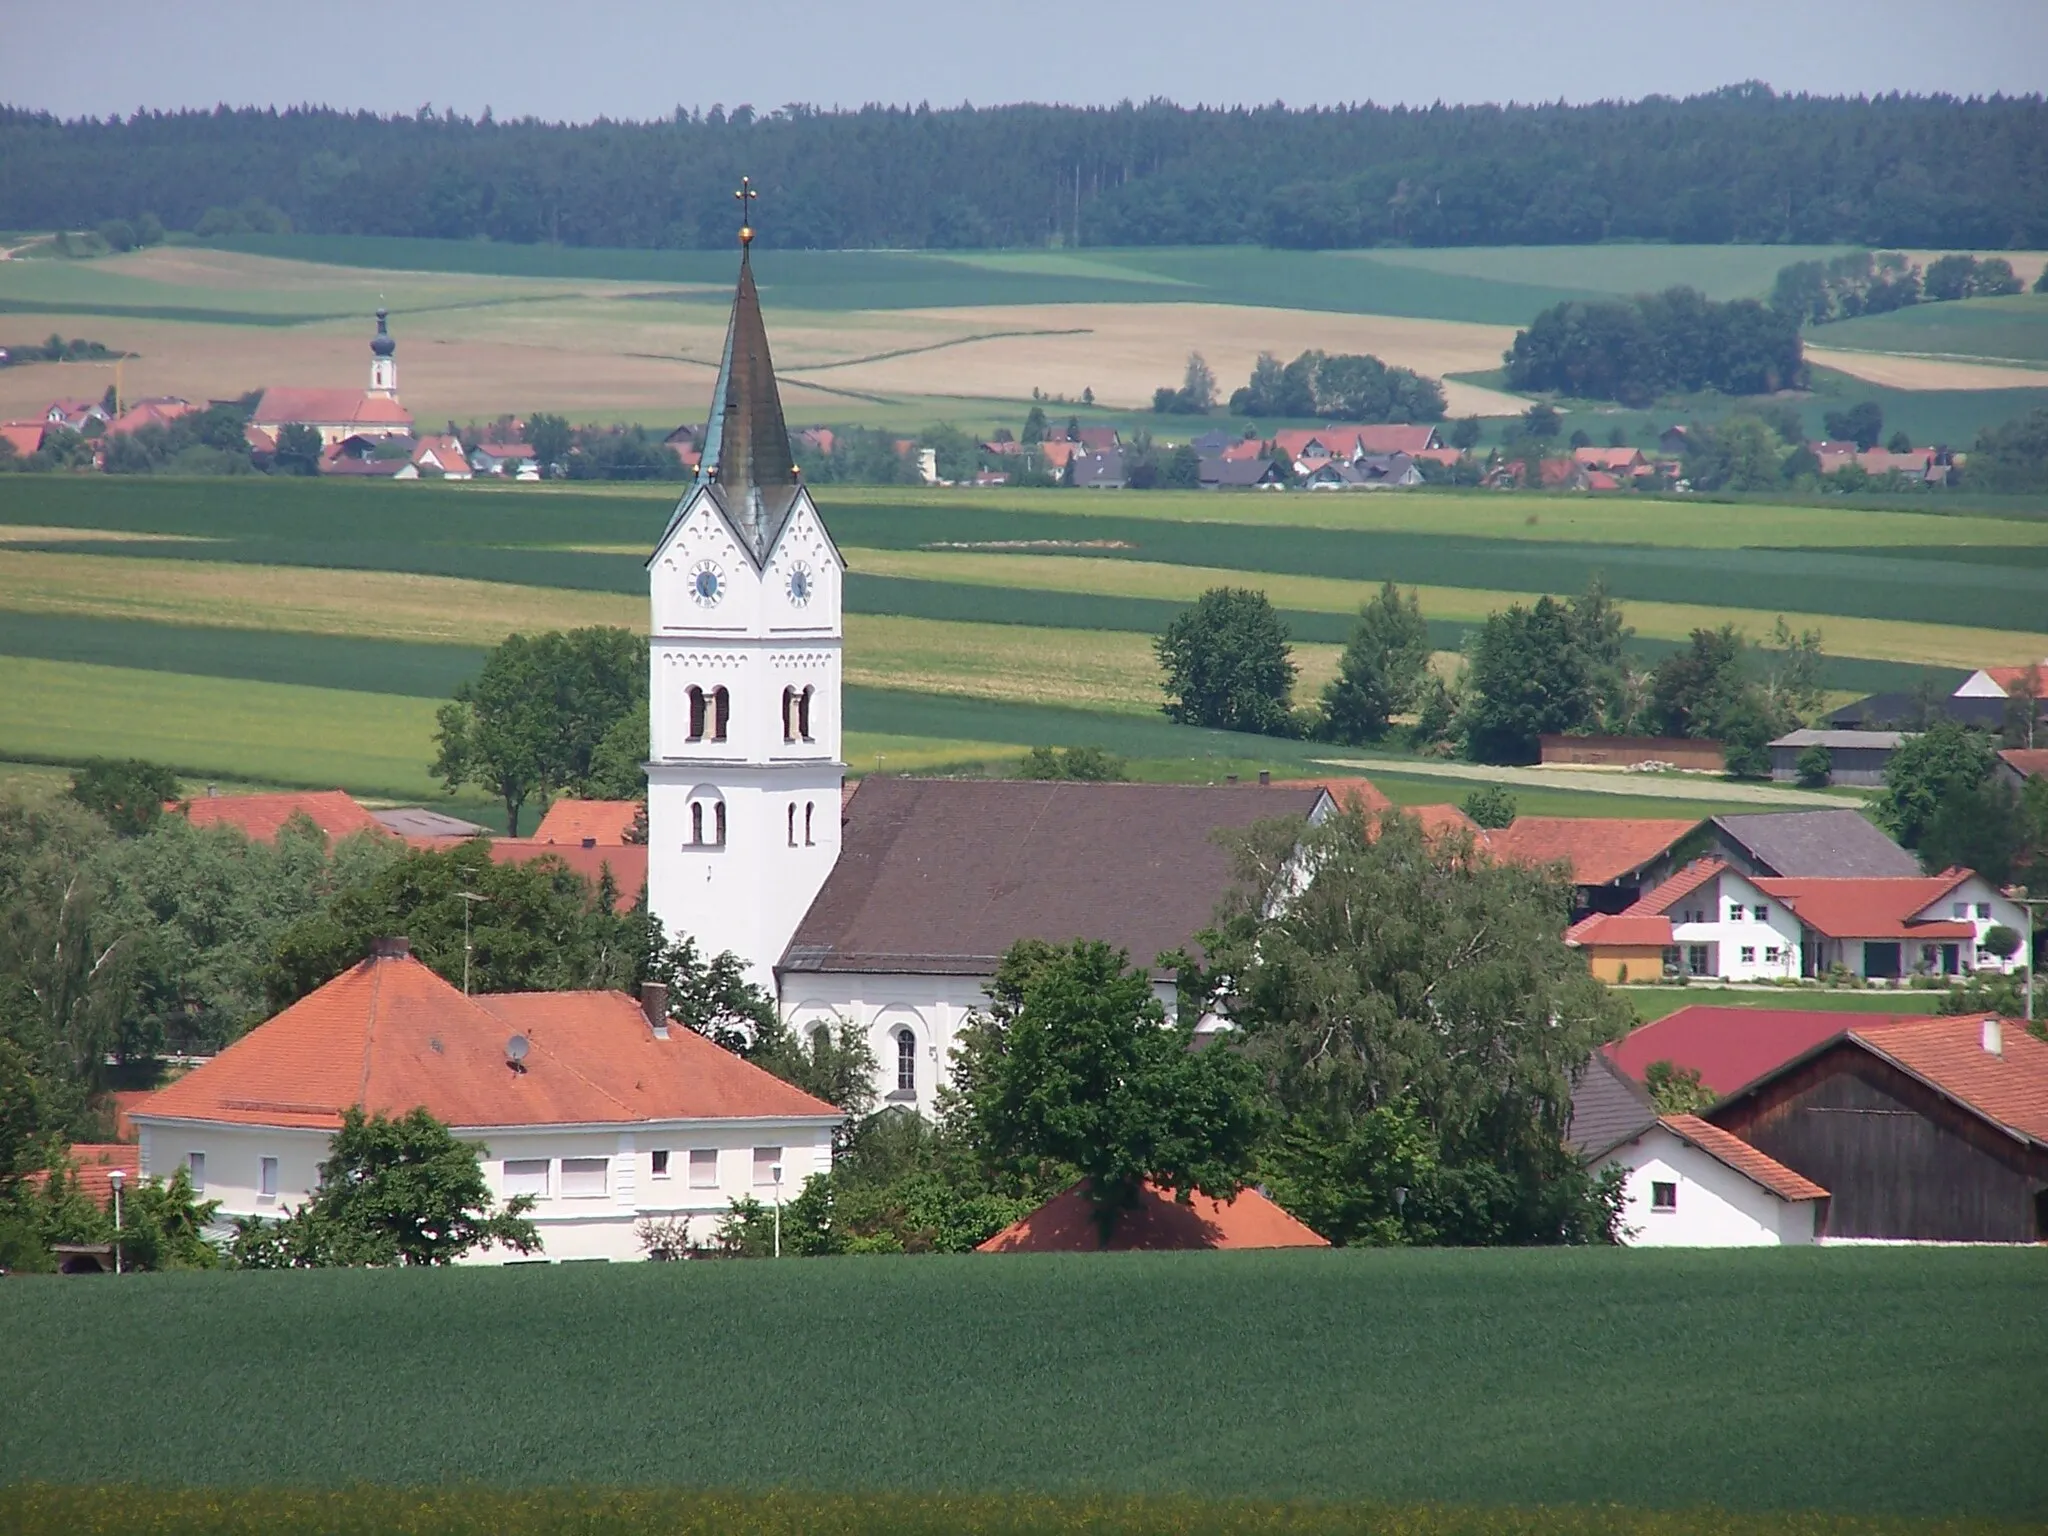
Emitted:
<point x="799" y="584"/>
<point x="707" y="584"/>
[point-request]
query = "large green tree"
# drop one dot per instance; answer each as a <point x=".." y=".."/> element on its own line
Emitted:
<point x="1936" y="765"/>
<point x="1548" y="668"/>
<point x="1418" y="1020"/>
<point x="533" y="720"/>
<point x="127" y="792"/>
<point x="1077" y="1066"/>
<point x="1381" y="670"/>
<point x="1228" y="665"/>
<point x="392" y="1191"/>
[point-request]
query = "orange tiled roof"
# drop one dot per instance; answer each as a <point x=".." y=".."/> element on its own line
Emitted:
<point x="1066" y="1224"/>
<point x="1870" y="908"/>
<point x="1637" y="929"/>
<point x="1608" y="458"/>
<point x="627" y="862"/>
<point x="1682" y="884"/>
<point x="2010" y="1088"/>
<point x="96" y="1160"/>
<point x="1738" y="1154"/>
<point x="26" y="436"/>
<point x="1599" y="849"/>
<point x="262" y="817"/>
<point x="2028" y="762"/>
<point x="390" y="1035"/>
<point x="1439" y="819"/>
<point x="1362" y="794"/>
<point x="574" y="821"/>
<point x="329" y="407"/>
<point x="445" y="450"/>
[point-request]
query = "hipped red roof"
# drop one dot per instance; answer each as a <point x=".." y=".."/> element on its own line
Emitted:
<point x="262" y="817"/>
<point x="1066" y="1224"/>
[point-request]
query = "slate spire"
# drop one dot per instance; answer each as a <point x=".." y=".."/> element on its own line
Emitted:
<point x="746" y="442"/>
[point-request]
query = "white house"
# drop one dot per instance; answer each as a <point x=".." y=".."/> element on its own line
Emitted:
<point x="588" y="1101"/>
<point x="1738" y="927"/>
<point x="892" y="910"/>
<point x="1692" y="1185"/>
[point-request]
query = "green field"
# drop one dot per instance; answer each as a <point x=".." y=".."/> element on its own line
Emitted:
<point x="2008" y="330"/>
<point x="1656" y="1002"/>
<point x="302" y="633"/>
<point x="1848" y="1381"/>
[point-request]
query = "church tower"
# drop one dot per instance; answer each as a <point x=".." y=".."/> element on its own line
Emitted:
<point x="383" y="365"/>
<point x="743" y="782"/>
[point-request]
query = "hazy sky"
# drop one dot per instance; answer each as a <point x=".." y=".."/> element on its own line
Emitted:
<point x="640" y="58"/>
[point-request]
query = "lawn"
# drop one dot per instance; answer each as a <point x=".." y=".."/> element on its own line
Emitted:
<point x="1848" y="1381"/>
<point x="1655" y="1002"/>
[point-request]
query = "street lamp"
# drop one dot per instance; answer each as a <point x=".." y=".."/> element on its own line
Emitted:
<point x="2020" y="896"/>
<point x="775" y="1174"/>
<point x="116" y="1178"/>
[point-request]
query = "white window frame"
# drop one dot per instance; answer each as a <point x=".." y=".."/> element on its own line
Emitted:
<point x="266" y="1177"/>
<point x="658" y="1163"/>
<point x="704" y="1168"/>
<point x="526" y="1166"/>
<point x="765" y="1158"/>
<point x="195" y="1169"/>
<point x="1658" y="1205"/>
<point x="582" y="1170"/>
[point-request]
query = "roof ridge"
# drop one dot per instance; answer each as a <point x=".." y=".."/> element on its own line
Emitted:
<point x="370" y="1029"/>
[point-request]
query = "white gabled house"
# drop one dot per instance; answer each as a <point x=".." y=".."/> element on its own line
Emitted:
<point x="588" y="1101"/>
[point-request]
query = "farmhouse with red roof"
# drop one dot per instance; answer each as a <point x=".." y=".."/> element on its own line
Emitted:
<point x="590" y="1102"/>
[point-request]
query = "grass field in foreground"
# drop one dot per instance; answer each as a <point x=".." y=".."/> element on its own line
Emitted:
<point x="472" y="1511"/>
<point x="1850" y="1381"/>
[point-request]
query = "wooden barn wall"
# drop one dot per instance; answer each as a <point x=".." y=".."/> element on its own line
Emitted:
<point x="1898" y="1160"/>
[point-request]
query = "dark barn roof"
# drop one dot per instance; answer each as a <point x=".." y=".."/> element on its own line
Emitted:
<point x="944" y="875"/>
<point x="1833" y="844"/>
<point x="1608" y="1108"/>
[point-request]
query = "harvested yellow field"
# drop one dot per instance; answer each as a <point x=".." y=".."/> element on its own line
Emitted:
<point x="1875" y="639"/>
<point x="384" y="605"/>
<point x="1085" y="669"/>
<point x="28" y="533"/>
<point x="1123" y="352"/>
<point x="1905" y="370"/>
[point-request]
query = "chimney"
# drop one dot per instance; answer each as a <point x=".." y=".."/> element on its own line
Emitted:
<point x="1994" y="1037"/>
<point x="654" y="1004"/>
<point x="1265" y="776"/>
<point x="392" y="948"/>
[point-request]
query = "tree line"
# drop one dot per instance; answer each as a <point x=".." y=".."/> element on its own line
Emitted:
<point x="1741" y="164"/>
<point x="1860" y="283"/>
<point x="1677" y="341"/>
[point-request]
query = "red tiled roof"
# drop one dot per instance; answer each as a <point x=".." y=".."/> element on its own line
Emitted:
<point x="1066" y="1224"/>
<point x="1870" y="908"/>
<point x="1730" y="1048"/>
<point x="1243" y="450"/>
<point x="1738" y="1154"/>
<point x="1684" y="883"/>
<point x="95" y="1161"/>
<point x="1439" y="819"/>
<point x="26" y="436"/>
<point x="446" y="452"/>
<point x="2028" y="762"/>
<point x="150" y="413"/>
<point x="260" y="440"/>
<point x="627" y="862"/>
<point x="262" y="817"/>
<point x="507" y="450"/>
<point x="572" y="821"/>
<point x="1639" y="929"/>
<point x="1598" y="848"/>
<point x="2010" y="1088"/>
<point x="390" y="1035"/>
<point x="1057" y="454"/>
<point x="1362" y="794"/>
<point x="328" y="407"/>
<point x="1608" y="458"/>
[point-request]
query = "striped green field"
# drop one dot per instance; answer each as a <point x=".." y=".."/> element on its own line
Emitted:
<point x="304" y="631"/>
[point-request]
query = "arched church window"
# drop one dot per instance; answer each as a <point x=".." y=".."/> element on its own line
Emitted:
<point x="721" y="715"/>
<point x="789" y="714"/>
<point x="719" y="817"/>
<point x="792" y="823"/>
<point x="906" y="1061"/>
<point x="810" y="810"/>
<point x="697" y="821"/>
<point x="803" y="713"/>
<point x="821" y="1040"/>
<point x="707" y="817"/>
<point x="696" y="697"/>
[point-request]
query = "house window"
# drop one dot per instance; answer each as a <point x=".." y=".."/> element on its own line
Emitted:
<point x="906" y="1061"/>
<point x="1735" y="912"/>
<point x="1663" y="1197"/>
<point x="1761" y="914"/>
<point x="584" y="1178"/>
<point x="1696" y="959"/>
<point x="266" y="1178"/>
<point x="660" y="1160"/>
<point x="1984" y="909"/>
<point x="526" y="1176"/>
<point x="1959" y="910"/>
<point x="195" y="1166"/>
<point x="1749" y="954"/>
<point x="766" y="1161"/>
<point x="1772" y="955"/>
<point x="704" y="1168"/>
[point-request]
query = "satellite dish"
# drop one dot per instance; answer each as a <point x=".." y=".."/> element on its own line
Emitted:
<point x="516" y="1048"/>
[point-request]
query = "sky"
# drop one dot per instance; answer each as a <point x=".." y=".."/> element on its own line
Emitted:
<point x="643" y="58"/>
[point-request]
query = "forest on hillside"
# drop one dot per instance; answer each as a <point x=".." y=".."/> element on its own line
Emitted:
<point x="1739" y="165"/>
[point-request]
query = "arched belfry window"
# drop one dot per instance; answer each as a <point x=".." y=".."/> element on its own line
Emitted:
<point x="906" y="1061"/>
<point x="697" y="702"/>
<point x="810" y="811"/>
<point x="789" y="714"/>
<point x="721" y="713"/>
<point x="707" y="817"/>
<point x="697" y="821"/>
<point x="803" y="713"/>
<point x="792" y="823"/>
<point x="719" y="819"/>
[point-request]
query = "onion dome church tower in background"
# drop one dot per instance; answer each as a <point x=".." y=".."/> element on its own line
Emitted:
<point x="383" y="365"/>
<point x="744" y="771"/>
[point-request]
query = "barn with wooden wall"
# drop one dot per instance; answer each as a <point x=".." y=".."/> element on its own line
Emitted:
<point x="1930" y="1130"/>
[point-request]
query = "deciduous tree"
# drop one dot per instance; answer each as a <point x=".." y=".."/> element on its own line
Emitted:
<point x="1228" y="665"/>
<point x="1381" y="669"/>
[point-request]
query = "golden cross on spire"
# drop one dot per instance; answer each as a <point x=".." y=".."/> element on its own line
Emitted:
<point x="746" y="196"/>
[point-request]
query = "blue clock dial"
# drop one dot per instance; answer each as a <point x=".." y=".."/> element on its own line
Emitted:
<point x="707" y="584"/>
<point x="800" y="584"/>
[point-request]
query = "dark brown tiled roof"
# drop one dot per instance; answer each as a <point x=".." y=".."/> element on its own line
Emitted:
<point x="943" y="875"/>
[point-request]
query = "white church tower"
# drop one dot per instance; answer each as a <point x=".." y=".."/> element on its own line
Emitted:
<point x="743" y="785"/>
<point x="383" y="365"/>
